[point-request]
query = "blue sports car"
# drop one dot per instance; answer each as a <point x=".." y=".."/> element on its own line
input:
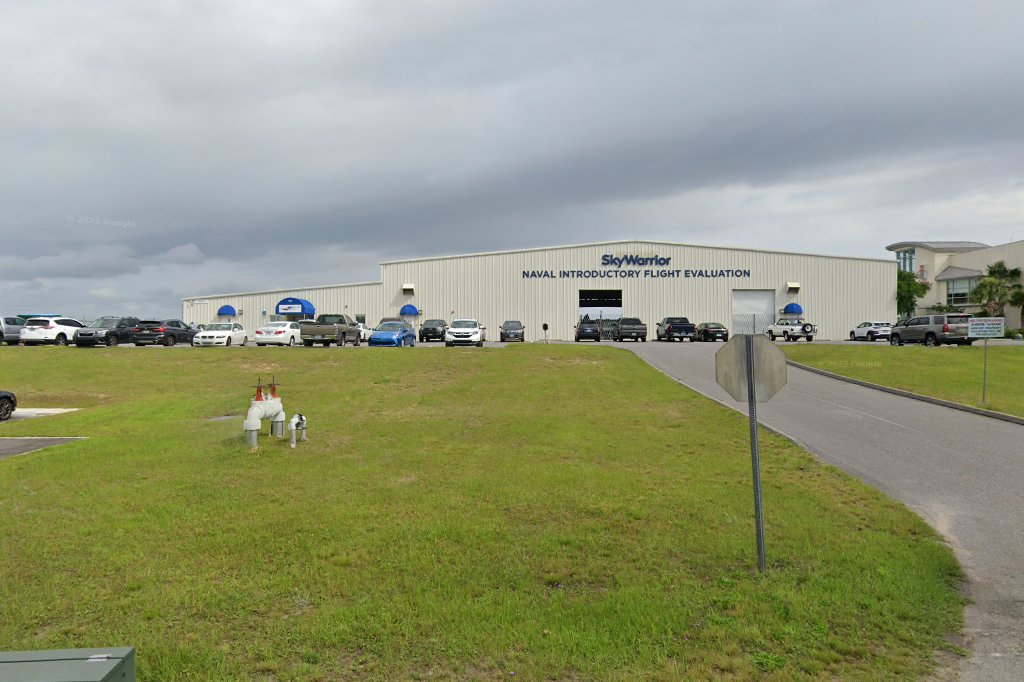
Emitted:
<point x="393" y="334"/>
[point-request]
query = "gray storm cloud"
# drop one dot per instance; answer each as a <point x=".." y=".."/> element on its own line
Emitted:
<point x="143" y="139"/>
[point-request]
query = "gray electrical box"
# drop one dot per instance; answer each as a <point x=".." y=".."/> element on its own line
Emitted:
<point x="68" y="665"/>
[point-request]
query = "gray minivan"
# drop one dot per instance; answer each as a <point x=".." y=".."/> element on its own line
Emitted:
<point x="10" y="329"/>
<point x="932" y="330"/>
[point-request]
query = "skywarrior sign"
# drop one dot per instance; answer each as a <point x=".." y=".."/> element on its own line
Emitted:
<point x="614" y="267"/>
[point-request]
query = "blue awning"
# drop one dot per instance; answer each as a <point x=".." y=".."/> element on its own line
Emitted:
<point x="793" y="309"/>
<point x="408" y="309"/>
<point x="227" y="310"/>
<point x="295" y="306"/>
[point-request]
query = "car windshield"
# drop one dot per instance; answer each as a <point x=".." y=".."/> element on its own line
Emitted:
<point x="104" y="323"/>
<point x="276" y="325"/>
<point x="389" y="327"/>
<point x="676" y="320"/>
<point x="629" y="320"/>
<point x="514" y="324"/>
<point x="38" y="323"/>
<point x="434" y="323"/>
<point x="713" y="325"/>
<point x="218" y="327"/>
<point x="464" y="324"/>
<point x="957" y="319"/>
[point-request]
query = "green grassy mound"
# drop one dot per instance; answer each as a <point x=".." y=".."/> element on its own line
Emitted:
<point x="554" y="512"/>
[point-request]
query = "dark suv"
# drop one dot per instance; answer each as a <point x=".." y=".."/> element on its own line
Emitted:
<point x="8" y="403"/>
<point x="588" y="329"/>
<point x="109" y="331"/>
<point x="165" y="332"/>
<point x="512" y="330"/>
<point x="432" y="330"/>
<point x="932" y="330"/>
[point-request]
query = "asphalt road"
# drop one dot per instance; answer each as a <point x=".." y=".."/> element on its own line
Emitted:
<point x="963" y="473"/>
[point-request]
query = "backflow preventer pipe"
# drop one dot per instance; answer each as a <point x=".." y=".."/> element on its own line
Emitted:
<point x="298" y="423"/>
<point x="260" y="408"/>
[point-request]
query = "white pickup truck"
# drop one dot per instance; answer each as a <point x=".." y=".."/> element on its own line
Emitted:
<point x="791" y="330"/>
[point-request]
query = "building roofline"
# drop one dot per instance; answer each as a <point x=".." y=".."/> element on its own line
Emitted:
<point x="282" y="290"/>
<point x="940" y="246"/>
<point x="630" y="241"/>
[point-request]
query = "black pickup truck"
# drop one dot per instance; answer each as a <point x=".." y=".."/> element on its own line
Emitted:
<point x="630" y="328"/>
<point x="672" y="328"/>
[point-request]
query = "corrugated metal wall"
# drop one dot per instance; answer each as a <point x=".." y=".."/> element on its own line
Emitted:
<point x="836" y="293"/>
<point x="257" y="308"/>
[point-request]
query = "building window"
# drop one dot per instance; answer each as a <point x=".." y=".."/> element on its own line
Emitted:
<point x="958" y="291"/>
<point x="905" y="259"/>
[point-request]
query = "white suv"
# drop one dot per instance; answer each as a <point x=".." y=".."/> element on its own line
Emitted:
<point x="56" y="330"/>
<point x="465" y="333"/>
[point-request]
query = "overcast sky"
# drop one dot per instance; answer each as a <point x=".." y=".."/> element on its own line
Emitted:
<point x="154" y="150"/>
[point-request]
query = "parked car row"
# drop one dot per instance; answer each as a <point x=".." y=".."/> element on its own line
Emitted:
<point x="669" y="329"/>
<point x="930" y="330"/>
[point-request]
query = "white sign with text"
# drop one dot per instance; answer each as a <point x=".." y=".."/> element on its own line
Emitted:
<point x="986" y="327"/>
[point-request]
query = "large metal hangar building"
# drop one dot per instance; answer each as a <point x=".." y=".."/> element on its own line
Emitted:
<point x="558" y="285"/>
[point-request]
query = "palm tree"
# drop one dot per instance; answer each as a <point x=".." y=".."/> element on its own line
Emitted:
<point x="1017" y="300"/>
<point x="997" y="288"/>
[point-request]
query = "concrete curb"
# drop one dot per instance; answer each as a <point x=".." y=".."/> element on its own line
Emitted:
<point x="915" y="396"/>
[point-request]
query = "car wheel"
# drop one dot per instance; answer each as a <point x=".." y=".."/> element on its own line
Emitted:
<point x="6" y="409"/>
<point x="112" y="340"/>
<point x="643" y="339"/>
<point x="871" y="337"/>
<point x="307" y="344"/>
<point x="894" y="340"/>
<point x="810" y="338"/>
<point x="930" y="340"/>
<point x="479" y="344"/>
<point x="291" y="341"/>
<point x="771" y="335"/>
<point x="853" y="337"/>
<point x="227" y="342"/>
<point x="245" y="340"/>
<point x="170" y="341"/>
<point x="61" y="340"/>
<point x="785" y="336"/>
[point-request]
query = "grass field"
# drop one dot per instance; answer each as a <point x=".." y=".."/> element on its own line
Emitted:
<point x="526" y="513"/>
<point x="950" y="373"/>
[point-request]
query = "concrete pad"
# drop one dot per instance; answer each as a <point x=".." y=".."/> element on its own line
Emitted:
<point x="33" y="412"/>
<point x="9" y="447"/>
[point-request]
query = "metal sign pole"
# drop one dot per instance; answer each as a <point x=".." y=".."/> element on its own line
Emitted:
<point x="984" y="376"/>
<point x="755" y="453"/>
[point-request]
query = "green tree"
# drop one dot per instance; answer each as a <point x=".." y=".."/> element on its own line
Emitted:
<point x="995" y="290"/>
<point x="1017" y="300"/>
<point x="908" y="289"/>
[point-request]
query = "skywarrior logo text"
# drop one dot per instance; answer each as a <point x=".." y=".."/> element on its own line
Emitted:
<point x="618" y="261"/>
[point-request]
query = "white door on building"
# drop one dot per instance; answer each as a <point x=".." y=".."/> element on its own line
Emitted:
<point x="752" y="310"/>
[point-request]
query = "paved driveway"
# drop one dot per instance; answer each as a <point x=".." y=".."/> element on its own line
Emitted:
<point x="962" y="472"/>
